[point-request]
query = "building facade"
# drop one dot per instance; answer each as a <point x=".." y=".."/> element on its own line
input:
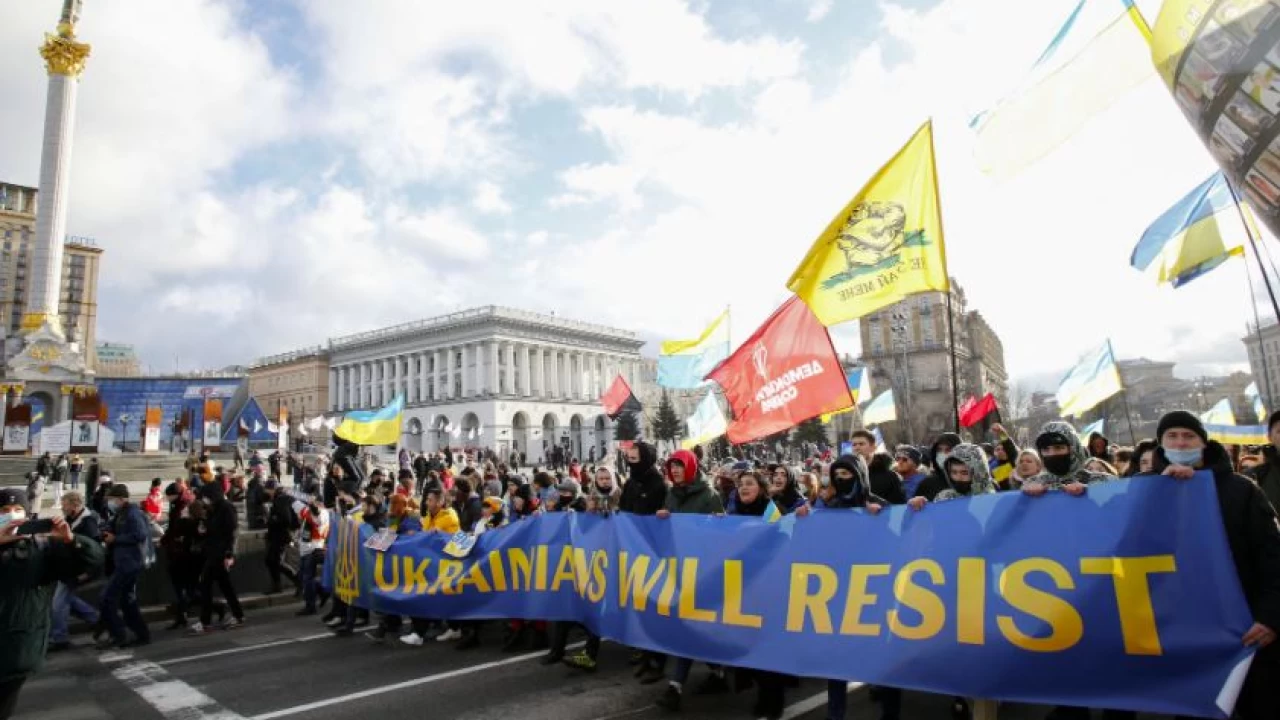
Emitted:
<point x="297" y="381"/>
<point x="492" y="377"/>
<point x="1263" y="346"/>
<point x="78" y="295"/>
<point x="905" y="345"/>
<point x="117" y="360"/>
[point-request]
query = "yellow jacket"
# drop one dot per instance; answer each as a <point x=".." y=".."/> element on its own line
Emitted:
<point x="445" y="521"/>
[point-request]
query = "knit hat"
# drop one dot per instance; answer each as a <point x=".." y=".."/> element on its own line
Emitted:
<point x="118" y="490"/>
<point x="1183" y="420"/>
<point x="908" y="451"/>
<point x="13" y="496"/>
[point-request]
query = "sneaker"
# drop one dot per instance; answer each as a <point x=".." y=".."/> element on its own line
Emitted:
<point x="198" y="628"/>
<point x="334" y="622"/>
<point x="176" y="624"/>
<point x="652" y="675"/>
<point x="362" y="621"/>
<point x="714" y="684"/>
<point x="449" y="636"/>
<point x="581" y="661"/>
<point x="513" y="641"/>
<point x="413" y="639"/>
<point x="232" y="623"/>
<point x="670" y="699"/>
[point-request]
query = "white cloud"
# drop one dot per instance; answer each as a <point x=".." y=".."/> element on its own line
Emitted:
<point x="818" y="9"/>
<point x="488" y="199"/>
<point x="442" y="232"/>
<point x="537" y="238"/>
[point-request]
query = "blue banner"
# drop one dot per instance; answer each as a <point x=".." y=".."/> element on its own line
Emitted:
<point x="1125" y="599"/>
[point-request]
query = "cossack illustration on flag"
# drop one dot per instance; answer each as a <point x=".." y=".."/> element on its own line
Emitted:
<point x="619" y="399"/>
<point x="784" y="374"/>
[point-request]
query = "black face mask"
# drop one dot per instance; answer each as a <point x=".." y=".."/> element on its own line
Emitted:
<point x="1059" y="465"/>
<point x="964" y="487"/>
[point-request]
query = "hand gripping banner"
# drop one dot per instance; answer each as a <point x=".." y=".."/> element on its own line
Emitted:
<point x="1126" y="598"/>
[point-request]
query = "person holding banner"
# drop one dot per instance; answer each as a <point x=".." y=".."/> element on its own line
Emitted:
<point x="1267" y="474"/>
<point x="1064" y="458"/>
<point x="938" y="454"/>
<point x="883" y="480"/>
<point x="1253" y="536"/>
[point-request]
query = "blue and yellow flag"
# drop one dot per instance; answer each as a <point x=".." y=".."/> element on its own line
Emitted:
<point x="1219" y="414"/>
<point x="1255" y="400"/>
<point x="772" y="513"/>
<point x="1095" y="378"/>
<point x="682" y="364"/>
<point x="881" y="410"/>
<point x="1238" y="434"/>
<point x="706" y="423"/>
<point x="1186" y="239"/>
<point x="859" y="387"/>
<point x="373" y="427"/>
<point x="1097" y="426"/>
<point x="884" y="245"/>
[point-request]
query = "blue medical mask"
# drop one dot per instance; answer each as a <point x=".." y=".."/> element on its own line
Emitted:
<point x="12" y="518"/>
<point x="1189" y="458"/>
<point x="940" y="458"/>
<point x="114" y="504"/>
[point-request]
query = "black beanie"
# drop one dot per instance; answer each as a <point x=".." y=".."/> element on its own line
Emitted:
<point x="1181" y="419"/>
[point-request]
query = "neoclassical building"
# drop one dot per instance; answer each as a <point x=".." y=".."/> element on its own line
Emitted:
<point x="490" y="377"/>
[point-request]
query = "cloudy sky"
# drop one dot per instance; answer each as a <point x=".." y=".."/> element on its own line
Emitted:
<point x="267" y="174"/>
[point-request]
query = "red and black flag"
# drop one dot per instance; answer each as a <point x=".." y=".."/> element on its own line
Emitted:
<point x="619" y="399"/>
<point x="974" y="411"/>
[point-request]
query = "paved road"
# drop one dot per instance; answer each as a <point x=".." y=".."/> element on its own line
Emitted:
<point x="281" y="666"/>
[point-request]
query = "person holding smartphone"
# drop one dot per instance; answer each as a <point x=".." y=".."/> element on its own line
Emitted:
<point x="31" y="563"/>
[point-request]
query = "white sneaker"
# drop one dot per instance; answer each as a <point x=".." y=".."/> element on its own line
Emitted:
<point x="413" y="639"/>
<point x="335" y="622"/>
<point x="449" y="635"/>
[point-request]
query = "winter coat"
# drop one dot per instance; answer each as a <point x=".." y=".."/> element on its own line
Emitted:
<point x="855" y="493"/>
<point x="936" y="482"/>
<point x="470" y="510"/>
<point x="884" y="481"/>
<point x="645" y="492"/>
<point x="222" y="525"/>
<point x="1253" y="534"/>
<point x="1267" y="475"/>
<point x="131" y="533"/>
<point x="1079" y="457"/>
<point x="980" y="478"/>
<point x="255" y="505"/>
<point x="693" y="498"/>
<point x="28" y="570"/>
<point x="281" y="520"/>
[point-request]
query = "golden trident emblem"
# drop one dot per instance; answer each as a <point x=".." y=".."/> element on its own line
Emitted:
<point x="346" y="574"/>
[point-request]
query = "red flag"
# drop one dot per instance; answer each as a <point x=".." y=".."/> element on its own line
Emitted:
<point x="619" y="399"/>
<point x="972" y="412"/>
<point x="784" y="374"/>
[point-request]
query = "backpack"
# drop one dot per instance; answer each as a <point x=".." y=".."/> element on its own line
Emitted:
<point x="149" y="550"/>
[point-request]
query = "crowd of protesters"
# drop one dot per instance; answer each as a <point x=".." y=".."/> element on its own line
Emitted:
<point x="195" y="521"/>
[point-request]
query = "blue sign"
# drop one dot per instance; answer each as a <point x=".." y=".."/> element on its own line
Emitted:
<point x="1128" y="601"/>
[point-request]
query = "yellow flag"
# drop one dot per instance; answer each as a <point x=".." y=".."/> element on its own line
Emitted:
<point x="884" y="245"/>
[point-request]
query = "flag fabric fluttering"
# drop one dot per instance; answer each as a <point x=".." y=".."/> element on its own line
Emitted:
<point x="1238" y="434"/>
<point x="1220" y="414"/>
<point x="859" y="388"/>
<point x="706" y="423"/>
<point x="882" y="409"/>
<point x="257" y="426"/>
<point x="884" y="245"/>
<point x="1096" y="58"/>
<point x="1187" y="239"/>
<point x="619" y="399"/>
<point x="880" y="446"/>
<point x="1095" y="378"/>
<point x="373" y="427"/>
<point x="1097" y="426"/>
<point x="772" y="513"/>
<point x="682" y="364"/>
<point x="785" y="373"/>
<point x="976" y="410"/>
<point x="1255" y="401"/>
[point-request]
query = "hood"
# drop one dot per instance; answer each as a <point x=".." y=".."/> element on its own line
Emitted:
<point x="690" y="462"/>
<point x="212" y="492"/>
<point x="1065" y="430"/>
<point x="880" y="462"/>
<point x="976" y="460"/>
<point x="1095" y="436"/>
<point x="947" y="438"/>
<point x="648" y="459"/>
<point x="854" y="464"/>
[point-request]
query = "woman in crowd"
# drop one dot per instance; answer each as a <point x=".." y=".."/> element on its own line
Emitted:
<point x="1027" y="467"/>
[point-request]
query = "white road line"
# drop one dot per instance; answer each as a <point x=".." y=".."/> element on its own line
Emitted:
<point x="245" y="648"/>
<point x="402" y="685"/>
<point x="170" y="697"/>
<point x="795" y="710"/>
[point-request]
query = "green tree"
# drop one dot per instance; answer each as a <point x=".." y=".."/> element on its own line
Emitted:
<point x="626" y="427"/>
<point x="811" y="430"/>
<point x="667" y="425"/>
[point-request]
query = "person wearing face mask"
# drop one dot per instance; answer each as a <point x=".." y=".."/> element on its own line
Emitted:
<point x="29" y="568"/>
<point x="569" y="496"/>
<point x="1063" y="458"/>
<point x="968" y="474"/>
<point x="690" y="495"/>
<point x="645" y="492"/>
<point x="219" y="544"/>
<point x="1253" y="537"/>
<point x="128" y="535"/>
<point x="1267" y="473"/>
<point x="936" y="482"/>
<point x="908" y="461"/>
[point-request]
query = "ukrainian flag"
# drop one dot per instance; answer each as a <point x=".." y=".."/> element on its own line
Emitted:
<point x="682" y="364"/>
<point x="1094" y="379"/>
<point x="373" y="427"/>
<point x="1097" y="426"/>
<point x="1238" y="434"/>
<point x="881" y="410"/>
<point x="1186" y="239"/>
<point x="1220" y="414"/>
<point x="1255" y="400"/>
<point x="884" y="245"/>
<point x="859" y="387"/>
<point x="706" y="423"/>
<point x="772" y="513"/>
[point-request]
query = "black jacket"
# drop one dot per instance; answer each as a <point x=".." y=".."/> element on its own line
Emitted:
<point x="255" y="505"/>
<point x="281" y="519"/>
<point x="645" y="491"/>
<point x="885" y="483"/>
<point x="1267" y="475"/>
<point x="1253" y="533"/>
<point x="222" y="525"/>
<point x="936" y="482"/>
<point x="855" y="493"/>
<point x="470" y="511"/>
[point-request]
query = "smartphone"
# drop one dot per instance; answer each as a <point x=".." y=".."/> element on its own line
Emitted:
<point x="36" y="527"/>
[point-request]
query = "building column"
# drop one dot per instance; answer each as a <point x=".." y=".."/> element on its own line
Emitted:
<point x="526" y="381"/>
<point x="511" y="368"/>
<point x="438" y="390"/>
<point x="397" y="377"/>
<point x="493" y="367"/>
<point x="423" y="375"/>
<point x="466" y="376"/>
<point x="333" y="387"/>
<point x="481" y="379"/>
<point x="353" y="386"/>
<point x="554" y="357"/>
<point x="362" y="385"/>
<point x="538" y="375"/>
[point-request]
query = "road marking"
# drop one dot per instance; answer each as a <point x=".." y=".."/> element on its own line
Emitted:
<point x="172" y="698"/>
<point x="795" y="710"/>
<point x="245" y="648"/>
<point x="402" y="685"/>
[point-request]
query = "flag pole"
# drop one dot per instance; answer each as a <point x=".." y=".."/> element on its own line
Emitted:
<point x="951" y="330"/>
<point x="1253" y="243"/>
<point x="1257" y="331"/>
<point x="1128" y="416"/>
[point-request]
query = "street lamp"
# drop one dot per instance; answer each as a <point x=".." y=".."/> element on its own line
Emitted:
<point x="125" y="419"/>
